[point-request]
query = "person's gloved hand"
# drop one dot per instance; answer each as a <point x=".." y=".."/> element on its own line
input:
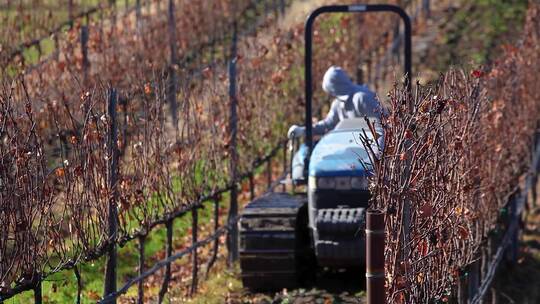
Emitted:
<point x="296" y="131"/>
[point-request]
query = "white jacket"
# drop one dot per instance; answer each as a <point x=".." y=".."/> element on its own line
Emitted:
<point x="350" y="101"/>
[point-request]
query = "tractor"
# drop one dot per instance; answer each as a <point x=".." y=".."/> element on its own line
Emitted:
<point x="285" y="236"/>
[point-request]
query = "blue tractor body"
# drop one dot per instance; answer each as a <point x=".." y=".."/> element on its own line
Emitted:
<point x="285" y="236"/>
<point x="338" y="193"/>
<point x="340" y="153"/>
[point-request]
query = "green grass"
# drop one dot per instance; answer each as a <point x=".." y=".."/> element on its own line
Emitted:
<point x="58" y="14"/>
<point x="62" y="287"/>
<point x="477" y="31"/>
<point x="55" y="13"/>
<point x="222" y="283"/>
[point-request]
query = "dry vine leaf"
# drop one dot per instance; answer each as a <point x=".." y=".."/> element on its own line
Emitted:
<point x="403" y="156"/>
<point x="422" y="248"/>
<point x="60" y="172"/>
<point x="420" y="278"/>
<point x="408" y="134"/>
<point x="147" y="89"/>
<point x="92" y="295"/>
<point x="400" y="298"/>
<point x="207" y="72"/>
<point x="401" y="282"/>
<point x="463" y="232"/>
<point x="277" y="77"/>
<point x="73" y="140"/>
<point x="426" y="210"/>
<point x="256" y="62"/>
<point x="477" y="73"/>
<point x="404" y="266"/>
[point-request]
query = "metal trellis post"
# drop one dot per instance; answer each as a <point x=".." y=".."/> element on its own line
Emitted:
<point x="167" y="279"/>
<point x="84" y="49"/>
<point x="194" y="257"/>
<point x="79" y="284"/>
<point x="232" y="238"/>
<point x="38" y="299"/>
<point x="138" y="15"/>
<point x="140" y="291"/>
<point x="172" y="67"/>
<point x="112" y="169"/>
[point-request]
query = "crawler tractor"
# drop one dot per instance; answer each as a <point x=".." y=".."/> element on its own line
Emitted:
<point x="284" y="236"/>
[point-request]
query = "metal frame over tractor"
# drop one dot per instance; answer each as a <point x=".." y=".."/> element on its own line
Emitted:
<point x="285" y="236"/>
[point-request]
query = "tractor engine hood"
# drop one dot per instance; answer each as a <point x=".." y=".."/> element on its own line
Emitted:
<point x="341" y="152"/>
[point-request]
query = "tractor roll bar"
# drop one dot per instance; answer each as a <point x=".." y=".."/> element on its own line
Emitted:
<point x="309" y="54"/>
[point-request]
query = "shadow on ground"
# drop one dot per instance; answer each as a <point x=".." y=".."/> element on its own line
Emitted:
<point x="326" y="287"/>
<point x="520" y="282"/>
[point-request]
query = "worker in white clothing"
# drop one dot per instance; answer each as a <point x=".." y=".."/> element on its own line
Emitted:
<point x="350" y="101"/>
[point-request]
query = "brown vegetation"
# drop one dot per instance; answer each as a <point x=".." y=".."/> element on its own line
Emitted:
<point x="451" y="163"/>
